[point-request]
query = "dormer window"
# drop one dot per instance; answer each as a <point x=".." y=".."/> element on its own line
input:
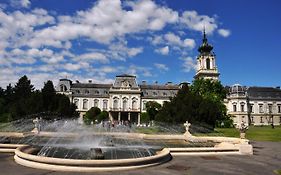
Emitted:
<point x="97" y="92"/>
<point x="87" y="91"/>
<point x="77" y="92"/>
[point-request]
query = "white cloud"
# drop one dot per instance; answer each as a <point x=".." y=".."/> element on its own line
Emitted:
<point x="161" y="67"/>
<point x="163" y="50"/>
<point x="190" y="43"/>
<point x="93" y="56"/>
<point x="224" y="32"/>
<point x="194" y="21"/>
<point x="106" y="21"/>
<point x="175" y="40"/>
<point x="189" y="64"/>
<point x="20" y="3"/>
<point x="39" y="43"/>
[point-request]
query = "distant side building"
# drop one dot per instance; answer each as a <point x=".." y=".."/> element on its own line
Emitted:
<point x="254" y="105"/>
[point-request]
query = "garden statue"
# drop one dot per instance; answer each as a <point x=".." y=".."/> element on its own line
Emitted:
<point x="243" y="128"/>
<point x="37" y="125"/>
<point x="187" y="125"/>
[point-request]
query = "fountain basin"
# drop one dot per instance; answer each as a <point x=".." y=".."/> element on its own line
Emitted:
<point x="24" y="156"/>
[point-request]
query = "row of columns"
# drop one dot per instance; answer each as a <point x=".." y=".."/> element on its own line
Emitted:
<point x="119" y="117"/>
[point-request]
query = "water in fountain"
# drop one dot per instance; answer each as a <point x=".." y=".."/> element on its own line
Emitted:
<point x="71" y="140"/>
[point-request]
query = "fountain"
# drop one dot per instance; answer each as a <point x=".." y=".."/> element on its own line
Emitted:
<point x="65" y="145"/>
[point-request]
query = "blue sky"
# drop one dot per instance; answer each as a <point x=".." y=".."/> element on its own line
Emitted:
<point x="154" y="40"/>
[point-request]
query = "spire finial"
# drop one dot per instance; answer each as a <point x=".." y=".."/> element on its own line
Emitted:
<point x="204" y="34"/>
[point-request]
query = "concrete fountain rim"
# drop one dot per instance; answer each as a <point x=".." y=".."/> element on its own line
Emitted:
<point x="25" y="158"/>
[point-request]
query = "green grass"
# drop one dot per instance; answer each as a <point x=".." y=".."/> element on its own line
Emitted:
<point x="258" y="133"/>
<point x="264" y="133"/>
<point x="152" y="130"/>
<point x="277" y="172"/>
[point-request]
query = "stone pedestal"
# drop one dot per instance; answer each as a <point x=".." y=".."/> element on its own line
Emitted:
<point x="242" y="135"/>
<point x="246" y="149"/>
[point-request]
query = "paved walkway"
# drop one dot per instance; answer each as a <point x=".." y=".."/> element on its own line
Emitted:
<point x="266" y="159"/>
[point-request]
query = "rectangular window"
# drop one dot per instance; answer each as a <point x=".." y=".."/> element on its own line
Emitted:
<point x="269" y="108"/>
<point x="96" y="103"/>
<point x="234" y="108"/>
<point x="144" y="105"/>
<point x="76" y="102"/>
<point x="85" y="104"/>
<point x="252" y="119"/>
<point x="261" y="121"/>
<point x="252" y="108"/>
<point x="261" y="108"/>
<point x="279" y="108"/>
<point x="104" y="105"/>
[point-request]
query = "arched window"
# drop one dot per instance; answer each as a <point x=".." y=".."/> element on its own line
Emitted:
<point x="125" y="104"/>
<point x="234" y="107"/>
<point x="85" y="104"/>
<point x="242" y="105"/>
<point x="97" y="92"/>
<point x="115" y="103"/>
<point x="134" y="103"/>
<point x="76" y="101"/>
<point x="63" y="88"/>
<point x="87" y="91"/>
<point x="96" y="103"/>
<point x="208" y="66"/>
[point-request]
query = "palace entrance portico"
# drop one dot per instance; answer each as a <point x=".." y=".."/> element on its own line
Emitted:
<point x="125" y="100"/>
<point x="133" y="117"/>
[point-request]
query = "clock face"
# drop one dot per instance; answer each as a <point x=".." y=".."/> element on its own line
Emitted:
<point x="125" y="84"/>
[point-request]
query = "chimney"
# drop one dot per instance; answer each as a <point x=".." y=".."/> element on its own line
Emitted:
<point x="169" y="83"/>
<point x="143" y="82"/>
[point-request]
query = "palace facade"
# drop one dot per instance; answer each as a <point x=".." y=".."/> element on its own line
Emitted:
<point x="125" y="99"/>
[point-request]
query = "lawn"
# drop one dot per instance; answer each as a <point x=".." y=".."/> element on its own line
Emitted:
<point x="258" y="133"/>
<point x="277" y="172"/>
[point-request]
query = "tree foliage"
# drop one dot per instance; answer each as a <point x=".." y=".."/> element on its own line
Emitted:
<point x="22" y="101"/>
<point x="91" y="115"/>
<point x="202" y="102"/>
<point x="152" y="108"/>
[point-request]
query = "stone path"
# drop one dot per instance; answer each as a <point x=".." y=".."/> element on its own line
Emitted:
<point x="266" y="159"/>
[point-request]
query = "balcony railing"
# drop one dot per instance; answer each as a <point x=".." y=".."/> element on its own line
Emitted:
<point x="125" y="109"/>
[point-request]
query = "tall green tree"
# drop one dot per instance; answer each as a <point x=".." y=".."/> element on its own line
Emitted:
<point x="152" y="108"/>
<point x="48" y="96"/>
<point x="202" y="103"/>
<point x="23" y="88"/>
<point x="208" y="88"/>
<point x="91" y="115"/>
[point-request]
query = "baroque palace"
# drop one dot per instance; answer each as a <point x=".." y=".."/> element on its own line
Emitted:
<point x="125" y="99"/>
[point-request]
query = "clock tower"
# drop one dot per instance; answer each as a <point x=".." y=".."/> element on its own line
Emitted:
<point x="206" y="61"/>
